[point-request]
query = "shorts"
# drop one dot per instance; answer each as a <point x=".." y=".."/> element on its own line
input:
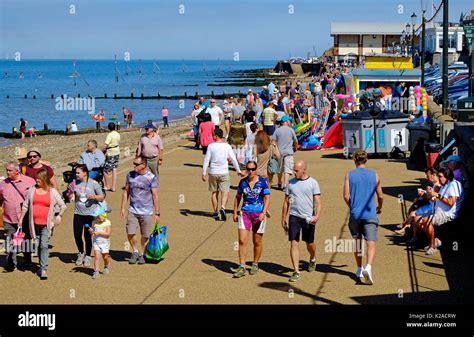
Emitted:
<point x="269" y="129"/>
<point x="111" y="163"/>
<point x="101" y="244"/>
<point x="249" y="220"/>
<point x="425" y="210"/>
<point x="145" y="222"/>
<point x="219" y="182"/>
<point x="286" y="164"/>
<point x="368" y="229"/>
<point x="297" y="225"/>
<point x="440" y="218"/>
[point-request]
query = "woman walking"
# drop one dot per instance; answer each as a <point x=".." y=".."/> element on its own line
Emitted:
<point x="264" y="150"/>
<point x="256" y="195"/>
<point x="87" y="195"/>
<point x="41" y="201"/>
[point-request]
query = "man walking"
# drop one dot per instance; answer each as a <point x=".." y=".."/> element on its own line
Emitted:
<point x="93" y="159"/>
<point x="151" y="147"/>
<point x="217" y="156"/>
<point x="302" y="199"/>
<point x="269" y="115"/>
<point x="287" y="143"/>
<point x="216" y="113"/>
<point x="12" y="195"/>
<point x="141" y="187"/>
<point x="112" y="156"/>
<point x="360" y="187"/>
<point x="35" y="165"/>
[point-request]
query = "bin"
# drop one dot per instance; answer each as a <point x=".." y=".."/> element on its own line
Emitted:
<point x="391" y="131"/>
<point x="418" y="135"/>
<point x="358" y="132"/>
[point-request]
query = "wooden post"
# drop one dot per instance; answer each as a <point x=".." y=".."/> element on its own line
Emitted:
<point x="131" y="95"/>
<point x="45" y="128"/>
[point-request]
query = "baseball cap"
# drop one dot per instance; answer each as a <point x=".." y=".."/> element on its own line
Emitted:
<point x="452" y="157"/>
<point x="285" y="119"/>
<point x="99" y="210"/>
<point x="149" y="126"/>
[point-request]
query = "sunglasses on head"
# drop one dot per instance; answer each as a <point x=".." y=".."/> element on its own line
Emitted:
<point x="251" y="168"/>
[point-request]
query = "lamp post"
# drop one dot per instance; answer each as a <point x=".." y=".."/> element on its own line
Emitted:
<point x="402" y="42"/>
<point x="407" y="29"/>
<point x="445" y="56"/>
<point x="413" y="23"/>
<point x="423" y="23"/>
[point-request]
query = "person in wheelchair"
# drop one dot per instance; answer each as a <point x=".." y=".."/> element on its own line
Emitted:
<point x="94" y="159"/>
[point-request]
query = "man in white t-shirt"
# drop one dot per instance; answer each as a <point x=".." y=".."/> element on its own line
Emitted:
<point x="216" y="113"/>
<point x="217" y="156"/>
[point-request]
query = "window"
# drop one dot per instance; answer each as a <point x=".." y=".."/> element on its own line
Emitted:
<point x="451" y="41"/>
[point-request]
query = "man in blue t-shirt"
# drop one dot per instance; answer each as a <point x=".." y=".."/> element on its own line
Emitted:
<point x="360" y="187"/>
<point x="256" y="194"/>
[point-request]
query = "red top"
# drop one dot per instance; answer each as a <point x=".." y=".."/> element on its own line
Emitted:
<point x="205" y="133"/>
<point x="41" y="208"/>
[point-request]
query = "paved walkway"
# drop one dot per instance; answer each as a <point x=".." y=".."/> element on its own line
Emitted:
<point x="197" y="268"/>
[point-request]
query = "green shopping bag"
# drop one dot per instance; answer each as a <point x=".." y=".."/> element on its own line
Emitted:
<point x="157" y="244"/>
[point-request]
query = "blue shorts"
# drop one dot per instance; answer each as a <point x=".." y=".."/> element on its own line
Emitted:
<point x="367" y="229"/>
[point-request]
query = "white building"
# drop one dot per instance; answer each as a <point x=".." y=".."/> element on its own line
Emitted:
<point x="434" y="41"/>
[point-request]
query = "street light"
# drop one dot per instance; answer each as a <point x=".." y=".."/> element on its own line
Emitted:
<point x="413" y="23"/>
<point x="423" y="36"/>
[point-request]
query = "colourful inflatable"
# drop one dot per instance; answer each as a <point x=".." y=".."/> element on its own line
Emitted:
<point x="299" y="128"/>
<point x="334" y="136"/>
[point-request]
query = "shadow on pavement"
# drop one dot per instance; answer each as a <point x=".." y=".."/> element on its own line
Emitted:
<point x="192" y="165"/>
<point x="85" y="270"/>
<point x="333" y="156"/>
<point x="119" y="255"/>
<point x="64" y="257"/>
<point x="329" y="269"/>
<point x="275" y="269"/>
<point x="285" y="287"/>
<point x="409" y="192"/>
<point x="187" y="212"/>
<point x="224" y="266"/>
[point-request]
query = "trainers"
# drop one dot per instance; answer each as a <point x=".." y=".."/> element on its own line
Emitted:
<point x="43" y="275"/>
<point x="222" y="214"/>
<point x="431" y="251"/>
<point x="254" y="269"/>
<point x="79" y="259"/>
<point x="312" y="266"/>
<point x="216" y="216"/>
<point x="359" y="272"/>
<point x="367" y="273"/>
<point x="134" y="258"/>
<point x="437" y="245"/>
<point x="106" y="271"/>
<point x="240" y="272"/>
<point x="141" y="259"/>
<point x="96" y="274"/>
<point x="87" y="261"/>
<point x="295" y="277"/>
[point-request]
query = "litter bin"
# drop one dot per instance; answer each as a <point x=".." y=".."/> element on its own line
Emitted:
<point x="358" y="132"/>
<point x="391" y="131"/>
<point x="418" y="135"/>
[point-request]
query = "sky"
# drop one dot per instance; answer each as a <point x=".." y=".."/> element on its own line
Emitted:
<point x="189" y="29"/>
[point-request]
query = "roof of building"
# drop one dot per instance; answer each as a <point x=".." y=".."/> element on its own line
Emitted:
<point x="338" y="28"/>
<point x="386" y="72"/>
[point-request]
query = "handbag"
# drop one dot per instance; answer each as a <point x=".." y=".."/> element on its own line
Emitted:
<point x="273" y="165"/>
<point x="157" y="244"/>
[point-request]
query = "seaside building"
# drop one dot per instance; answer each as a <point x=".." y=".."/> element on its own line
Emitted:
<point x="434" y="42"/>
<point x="355" y="40"/>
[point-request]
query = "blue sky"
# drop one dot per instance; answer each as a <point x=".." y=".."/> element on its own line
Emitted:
<point x="208" y="29"/>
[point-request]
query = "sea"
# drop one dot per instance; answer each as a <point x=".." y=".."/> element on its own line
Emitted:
<point x="43" y="78"/>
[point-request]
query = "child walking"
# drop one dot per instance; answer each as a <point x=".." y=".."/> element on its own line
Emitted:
<point x="101" y="230"/>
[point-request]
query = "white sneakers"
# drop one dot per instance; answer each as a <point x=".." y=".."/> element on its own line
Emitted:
<point x="431" y="250"/>
<point x="367" y="273"/>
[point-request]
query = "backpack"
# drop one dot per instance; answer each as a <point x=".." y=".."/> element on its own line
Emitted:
<point x="201" y="115"/>
<point x="273" y="164"/>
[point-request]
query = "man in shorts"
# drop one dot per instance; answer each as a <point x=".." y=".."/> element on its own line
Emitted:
<point x="302" y="199"/>
<point x="256" y="194"/>
<point x="217" y="156"/>
<point x="287" y="143"/>
<point x="360" y="187"/>
<point x="112" y="156"/>
<point x="141" y="187"/>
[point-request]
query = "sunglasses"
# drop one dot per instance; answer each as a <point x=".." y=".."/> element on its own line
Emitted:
<point x="251" y="169"/>
<point x="33" y="156"/>
<point x="137" y="164"/>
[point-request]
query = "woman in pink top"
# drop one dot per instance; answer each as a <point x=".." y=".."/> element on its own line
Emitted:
<point x="164" y="114"/>
<point x="206" y="132"/>
<point x="41" y="201"/>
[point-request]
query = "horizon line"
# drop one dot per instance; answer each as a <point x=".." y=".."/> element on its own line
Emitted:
<point x="121" y="60"/>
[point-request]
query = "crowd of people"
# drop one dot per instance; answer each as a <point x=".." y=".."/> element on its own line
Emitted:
<point x="255" y="135"/>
